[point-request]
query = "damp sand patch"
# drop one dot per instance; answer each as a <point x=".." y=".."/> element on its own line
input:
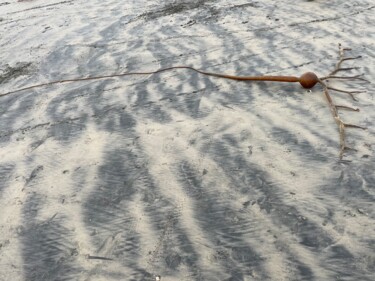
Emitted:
<point x="12" y="72"/>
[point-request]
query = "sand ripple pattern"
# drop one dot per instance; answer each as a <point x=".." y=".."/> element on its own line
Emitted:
<point x="177" y="174"/>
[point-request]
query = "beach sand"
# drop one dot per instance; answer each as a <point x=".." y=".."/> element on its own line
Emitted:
<point x="177" y="174"/>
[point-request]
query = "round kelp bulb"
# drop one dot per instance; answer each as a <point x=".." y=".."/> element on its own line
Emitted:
<point x="308" y="80"/>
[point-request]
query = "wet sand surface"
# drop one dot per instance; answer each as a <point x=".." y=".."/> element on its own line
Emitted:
<point x="181" y="175"/>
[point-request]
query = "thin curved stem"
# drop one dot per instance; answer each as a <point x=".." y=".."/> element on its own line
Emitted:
<point x="289" y="79"/>
<point x="347" y="107"/>
<point x="351" y="93"/>
<point x="355" y="77"/>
